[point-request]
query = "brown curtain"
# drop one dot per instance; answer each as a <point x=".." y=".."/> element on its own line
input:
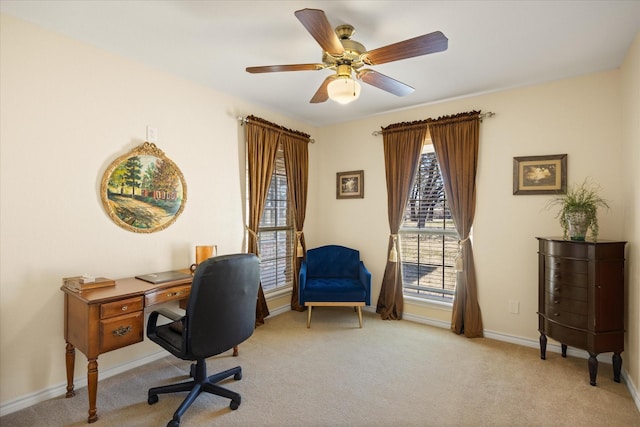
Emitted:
<point x="263" y="138"/>
<point x="402" y="147"/>
<point x="296" y="160"/>
<point x="262" y="146"/>
<point x="455" y="140"/>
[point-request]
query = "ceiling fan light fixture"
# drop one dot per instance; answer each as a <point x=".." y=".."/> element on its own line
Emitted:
<point x="343" y="90"/>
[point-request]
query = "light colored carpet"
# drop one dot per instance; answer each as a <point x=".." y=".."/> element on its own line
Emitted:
<point x="390" y="373"/>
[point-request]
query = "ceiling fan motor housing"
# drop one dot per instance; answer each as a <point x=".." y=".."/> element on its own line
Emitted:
<point x="352" y="50"/>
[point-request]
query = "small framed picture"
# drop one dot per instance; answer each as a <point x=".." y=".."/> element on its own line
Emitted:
<point x="350" y="185"/>
<point x="540" y="174"/>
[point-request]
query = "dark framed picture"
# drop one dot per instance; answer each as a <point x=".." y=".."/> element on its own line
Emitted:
<point x="350" y="185"/>
<point x="540" y="174"/>
<point x="143" y="191"/>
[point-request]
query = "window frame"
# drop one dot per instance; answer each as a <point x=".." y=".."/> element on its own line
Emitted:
<point x="430" y="293"/>
<point x="279" y="171"/>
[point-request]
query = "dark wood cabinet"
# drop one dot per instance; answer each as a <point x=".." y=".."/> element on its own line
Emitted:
<point x="581" y="298"/>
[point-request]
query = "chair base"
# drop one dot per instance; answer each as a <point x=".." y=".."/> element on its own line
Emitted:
<point x="356" y="305"/>
<point x="200" y="383"/>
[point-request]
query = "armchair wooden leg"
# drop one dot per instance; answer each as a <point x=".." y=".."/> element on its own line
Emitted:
<point x="360" y="315"/>
<point x="309" y="317"/>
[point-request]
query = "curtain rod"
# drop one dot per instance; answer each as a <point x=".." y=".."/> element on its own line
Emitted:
<point x="244" y="120"/>
<point x="482" y="116"/>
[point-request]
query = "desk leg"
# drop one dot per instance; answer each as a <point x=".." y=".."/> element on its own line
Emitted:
<point x="92" y="380"/>
<point x="71" y="363"/>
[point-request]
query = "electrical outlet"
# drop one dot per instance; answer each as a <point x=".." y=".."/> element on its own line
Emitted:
<point x="152" y="134"/>
<point x="514" y="307"/>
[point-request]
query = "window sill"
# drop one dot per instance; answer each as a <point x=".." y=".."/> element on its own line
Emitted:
<point x="277" y="293"/>
<point x="423" y="302"/>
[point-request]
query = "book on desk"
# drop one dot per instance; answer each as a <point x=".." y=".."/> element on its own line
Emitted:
<point x="84" y="283"/>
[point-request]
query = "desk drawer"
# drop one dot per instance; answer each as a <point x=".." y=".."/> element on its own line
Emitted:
<point x="121" y="331"/>
<point x="118" y="308"/>
<point x="168" y="294"/>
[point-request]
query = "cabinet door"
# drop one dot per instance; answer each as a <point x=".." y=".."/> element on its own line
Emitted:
<point x="608" y="297"/>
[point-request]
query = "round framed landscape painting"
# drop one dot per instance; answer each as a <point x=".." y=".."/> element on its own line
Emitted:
<point x="143" y="191"/>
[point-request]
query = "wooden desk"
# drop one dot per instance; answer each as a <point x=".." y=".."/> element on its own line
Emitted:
<point x="100" y="320"/>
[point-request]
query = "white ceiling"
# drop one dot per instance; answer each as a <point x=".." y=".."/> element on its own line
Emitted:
<point x="493" y="45"/>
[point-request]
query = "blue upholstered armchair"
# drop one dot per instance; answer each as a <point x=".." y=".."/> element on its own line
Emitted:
<point x="334" y="276"/>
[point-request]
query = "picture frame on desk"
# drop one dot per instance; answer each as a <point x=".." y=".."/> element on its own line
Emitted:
<point x="143" y="191"/>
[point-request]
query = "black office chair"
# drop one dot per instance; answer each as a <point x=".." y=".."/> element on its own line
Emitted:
<point x="220" y="314"/>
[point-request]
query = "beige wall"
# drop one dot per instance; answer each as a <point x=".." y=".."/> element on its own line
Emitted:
<point x="68" y="109"/>
<point x="580" y="117"/>
<point x="630" y="83"/>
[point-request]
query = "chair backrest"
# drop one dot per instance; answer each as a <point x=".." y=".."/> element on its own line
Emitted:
<point x="221" y="311"/>
<point x="333" y="261"/>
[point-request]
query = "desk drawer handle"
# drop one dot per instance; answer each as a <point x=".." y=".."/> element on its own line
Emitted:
<point x="121" y="331"/>
<point x="176" y="294"/>
<point x="124" y="308"/>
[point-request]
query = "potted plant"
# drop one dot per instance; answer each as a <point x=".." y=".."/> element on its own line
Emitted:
<point x="579" y="210"/>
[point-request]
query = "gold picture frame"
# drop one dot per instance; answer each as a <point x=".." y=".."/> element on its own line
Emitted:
<point x="540" y="174"/>
<point x="143" y="191"/>
<point x="350" y="185"/>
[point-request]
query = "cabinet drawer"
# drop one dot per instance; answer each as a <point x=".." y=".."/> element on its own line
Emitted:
<point x="121" y="331"/>
<point x="565" y="317"/>
<point x="566" y="291"/>
<point x="567" y="277"/>
<point x="565" y="249"/>
<point x="567" y="265"/>
<point x="169" y="294"/>
<point x="556" y="303"/>
<point x="564" y="334"/>
<point x="121" y="307"/>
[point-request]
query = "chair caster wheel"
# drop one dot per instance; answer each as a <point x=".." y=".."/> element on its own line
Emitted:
<point x="173" y="423"/>
<point x="234" y="404"/>
<point x="153" y="398"/>
<point x="192" y="370"/>
<point x="238" y="376"/>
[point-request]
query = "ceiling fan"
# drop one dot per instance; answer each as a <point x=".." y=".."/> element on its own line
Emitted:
<point x="348" y="57"/>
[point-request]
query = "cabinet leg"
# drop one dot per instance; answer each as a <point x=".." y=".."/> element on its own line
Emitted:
<point x="617" y="366"/>
<point x="70" y="358"/>
<point x="593" y="368"/>
<point x="564" y="350"/>
<point x="543" y="346"/>
<point x="92" y="386"/>
<point x="235" y="351"/>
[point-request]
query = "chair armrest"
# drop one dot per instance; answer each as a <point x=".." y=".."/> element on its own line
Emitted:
<point x="302" y="281"/>
<point x="153" y="318"/>
<point x="365" y="278"/>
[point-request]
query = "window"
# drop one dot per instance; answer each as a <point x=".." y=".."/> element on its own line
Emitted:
<point x="275" y="233"/>
<point x="428" y="238"/>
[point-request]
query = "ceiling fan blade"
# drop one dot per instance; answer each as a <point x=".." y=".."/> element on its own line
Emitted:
<point x="421" y="45"/>
<point x="322" y="94"/>
<point x="292" y="67"/>
<point x="316" y="22"/>
<point x="384" y="82"/>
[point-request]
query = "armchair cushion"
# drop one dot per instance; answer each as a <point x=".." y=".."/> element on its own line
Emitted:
<point x="338" y="289"/>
